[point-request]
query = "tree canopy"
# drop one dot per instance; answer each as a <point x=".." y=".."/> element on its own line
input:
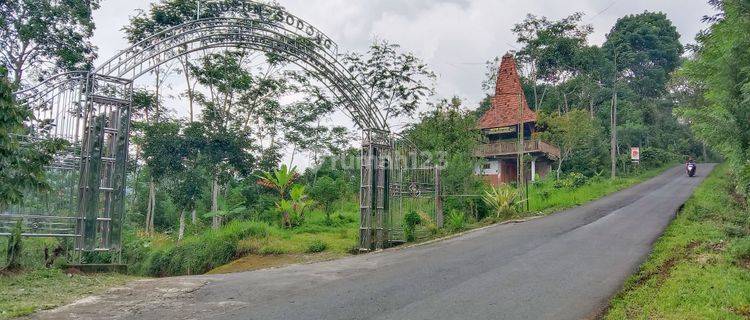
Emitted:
<point x="46" y="36"/>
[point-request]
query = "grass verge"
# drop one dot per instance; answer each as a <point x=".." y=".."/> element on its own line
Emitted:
<point x="700" y="267"/>
<point x="42" y="289"/>
<point x="547" y="197"/>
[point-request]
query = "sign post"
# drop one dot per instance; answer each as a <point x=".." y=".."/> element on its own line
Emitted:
<point x="635" y="154"/>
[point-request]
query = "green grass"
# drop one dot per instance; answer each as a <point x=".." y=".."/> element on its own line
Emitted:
<point x="198" y="254"/>
<point x="699" y="269"/>
<point x="42" y="289"/>
<point x="545" y="198"/>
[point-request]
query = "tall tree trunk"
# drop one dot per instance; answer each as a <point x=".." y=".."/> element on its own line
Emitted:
<point x="193" y="216"/>
<point x="190" y="95"/>
<point x="613" y="123"/>
<point x="215" y="203"/>
<point x="148" y="211"/>
<point x="152" y="205"/>
<point x="294" y="151"/>
<point x="181" y="233"/>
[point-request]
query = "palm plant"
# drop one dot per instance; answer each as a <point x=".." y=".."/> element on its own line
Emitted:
<point x="502" y="200"/>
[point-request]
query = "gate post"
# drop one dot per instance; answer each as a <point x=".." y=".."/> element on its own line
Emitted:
<point x="373" y="194"/>
<point x="439" y="215"/>
<point x="103" y="167"/>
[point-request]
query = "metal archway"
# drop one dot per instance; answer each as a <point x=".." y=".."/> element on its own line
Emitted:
<point x="91" y="110"/>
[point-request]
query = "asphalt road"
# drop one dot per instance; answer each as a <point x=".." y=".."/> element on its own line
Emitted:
<point x="565" y="266"/>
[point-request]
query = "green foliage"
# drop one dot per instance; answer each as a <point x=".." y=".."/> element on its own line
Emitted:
<point x="502" y="200"/>
<point x="397" y="82"/>
<point x="326" y="192"/>
<point x="47" y="33"/>
<point x="198" y="254"/>
<point x="553" y="47"/>
<point x="317" y="246"/>
<point x="718" y="80"/>
<point x="22" y="163"/>
<point x="43" y="289"/>
<point x="411" y="220"/>
<point x="293" y="210"/>
<point x="449" y="134"/>
<point x="455" y="221"/>
<point x="280" y="179"/>
<point x="648" y="50"/>
<point x="571" y="132"/>
<point x="573" y="180"/>
<point x="15" y="249"/>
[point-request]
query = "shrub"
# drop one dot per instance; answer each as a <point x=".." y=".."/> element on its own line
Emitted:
<point x="428" y="222"/>
<point x="200" y="254"/>
<point x="317" y="246"/>
<point x="456" y="221"/>
<point x="15" y="248"/>
<point x="741" y="250"/>
<point x="411" y="220"/>
<point x="502" y="200"/>
<point x="572" y="180"/>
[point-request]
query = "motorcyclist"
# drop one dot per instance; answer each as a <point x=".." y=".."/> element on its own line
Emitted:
<point x="690" y="162"/>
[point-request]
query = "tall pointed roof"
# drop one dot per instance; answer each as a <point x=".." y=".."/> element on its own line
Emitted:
<point x="508" y="94"/>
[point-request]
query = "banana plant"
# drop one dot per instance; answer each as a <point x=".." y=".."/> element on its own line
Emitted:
<point x="293" y="210"/>
<point x="280" y="180"/>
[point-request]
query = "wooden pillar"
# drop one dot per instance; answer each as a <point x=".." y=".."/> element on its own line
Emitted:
<point x="439" y="215"/>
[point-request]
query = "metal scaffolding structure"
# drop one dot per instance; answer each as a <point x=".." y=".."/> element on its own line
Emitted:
<point x="91" y="110"/>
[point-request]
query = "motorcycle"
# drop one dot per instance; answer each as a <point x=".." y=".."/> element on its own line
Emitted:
<point x="691" y="168"/>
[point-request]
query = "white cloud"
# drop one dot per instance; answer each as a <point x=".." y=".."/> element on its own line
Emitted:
<point x="455" y="37"/>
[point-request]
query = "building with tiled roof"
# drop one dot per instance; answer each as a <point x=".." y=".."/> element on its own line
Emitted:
<point x="501" y="126"/>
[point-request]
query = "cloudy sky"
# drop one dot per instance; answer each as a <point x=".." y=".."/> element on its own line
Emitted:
<point x="455" y="37"/>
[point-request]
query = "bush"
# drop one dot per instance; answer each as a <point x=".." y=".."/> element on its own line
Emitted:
<point x="317" y="246"/>
<point x="655" y="157"/>
<point x="573" y="180"/>
<point x="456" y="221"/>
<point x="14" y="249"/>
<point x="502" y="200"/>
<point x="200" y="254"/>
<point x="411" y="220"/>
<point x="741" y="250"/>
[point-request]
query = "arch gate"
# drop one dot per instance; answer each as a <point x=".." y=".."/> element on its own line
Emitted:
<point x="91" y="110"/>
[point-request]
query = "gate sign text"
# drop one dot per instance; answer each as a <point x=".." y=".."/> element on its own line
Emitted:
<point x="266" y="13"/>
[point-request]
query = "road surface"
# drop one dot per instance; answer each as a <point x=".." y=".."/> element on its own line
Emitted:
<point x="565" y="266"/>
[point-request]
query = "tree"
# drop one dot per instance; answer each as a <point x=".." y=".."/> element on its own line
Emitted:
<point x="449" y="134"/>
<point x="721" y="69"/>
<point x="326" y="191"/>
<point x="46" y="35"/>
<point x="571" y="132"/>
<point x="186" y="189"/>
<point x="396" y="82"/>
<point x="23" y="157"/>
<point x="551" y="50"/>
<point x="162" y="151"/>
<point x="648" y="50"/>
